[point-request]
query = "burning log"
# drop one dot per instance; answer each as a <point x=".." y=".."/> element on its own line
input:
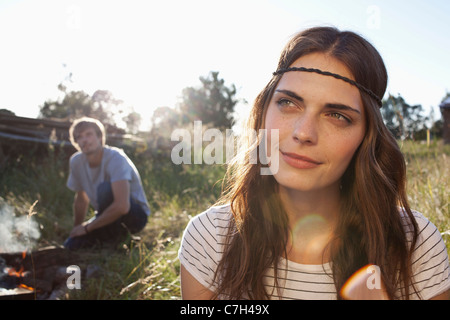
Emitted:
<point x="36" y="274"/>
<point x="16" y="294"/>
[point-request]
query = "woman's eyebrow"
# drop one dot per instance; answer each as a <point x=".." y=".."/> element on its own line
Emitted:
<point x="335" y="106"/>
<point x="290" y="94"/>
<point x="342" y="107"/>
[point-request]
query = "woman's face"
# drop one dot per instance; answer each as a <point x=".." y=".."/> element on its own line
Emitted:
<point x="320" y="122"/>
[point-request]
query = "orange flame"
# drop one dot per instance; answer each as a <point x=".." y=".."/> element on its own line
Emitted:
<point x="20" y="274"/>
<point x="24" y="286"/>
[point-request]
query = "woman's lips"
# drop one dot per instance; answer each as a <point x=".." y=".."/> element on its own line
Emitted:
<point x="299" y="161"/>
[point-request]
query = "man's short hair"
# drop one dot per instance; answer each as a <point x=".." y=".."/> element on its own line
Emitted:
<point x="82" y="124"/>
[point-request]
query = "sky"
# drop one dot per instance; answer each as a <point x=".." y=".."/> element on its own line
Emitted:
<point x="147" y="52"/>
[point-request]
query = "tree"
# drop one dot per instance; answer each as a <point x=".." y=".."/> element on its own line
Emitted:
<point x="133" y="121"/>
<point x="165" y="119"/>
<point x="402" y="119"/>
<point x="212" y="103"/>
<point x="101" y="105"/>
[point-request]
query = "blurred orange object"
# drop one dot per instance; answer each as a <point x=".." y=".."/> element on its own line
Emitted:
<point x="365" y="284"/>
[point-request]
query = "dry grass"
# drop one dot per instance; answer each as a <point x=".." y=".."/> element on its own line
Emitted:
<point x="428" y="170"/>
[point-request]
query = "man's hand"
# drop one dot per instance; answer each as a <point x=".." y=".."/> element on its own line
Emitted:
<point x="78" y="230"/>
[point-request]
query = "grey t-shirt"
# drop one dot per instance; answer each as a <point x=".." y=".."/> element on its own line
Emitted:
<point x="115" y="166"/>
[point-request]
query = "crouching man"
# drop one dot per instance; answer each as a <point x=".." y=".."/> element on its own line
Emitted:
<point x="105" y="178"/>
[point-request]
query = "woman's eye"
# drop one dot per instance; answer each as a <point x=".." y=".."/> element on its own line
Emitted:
<point x="339" y="116"/>
<point x="285" y="103"/>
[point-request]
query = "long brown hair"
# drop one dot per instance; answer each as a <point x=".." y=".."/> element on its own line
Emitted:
<point x="370" y="228"/>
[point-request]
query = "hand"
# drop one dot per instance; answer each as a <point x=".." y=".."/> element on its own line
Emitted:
<point x="78" y="230"/>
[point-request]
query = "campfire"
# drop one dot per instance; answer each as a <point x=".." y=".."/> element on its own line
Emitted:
<point x="30" y="274"/>
<point x="38" y="275"/>
<point x="14" y="278"/>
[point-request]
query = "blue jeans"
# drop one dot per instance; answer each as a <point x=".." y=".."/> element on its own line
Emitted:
<point x="132" y="222"/>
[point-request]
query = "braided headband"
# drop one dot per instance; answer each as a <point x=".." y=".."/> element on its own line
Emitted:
<point x="334" y="75"/>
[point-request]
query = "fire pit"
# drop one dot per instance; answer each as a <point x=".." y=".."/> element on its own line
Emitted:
<point x="34" y="275"/>
<point x="16" y="294"/>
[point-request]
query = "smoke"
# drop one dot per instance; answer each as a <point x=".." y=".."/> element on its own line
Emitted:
<point x="17" y="233"/>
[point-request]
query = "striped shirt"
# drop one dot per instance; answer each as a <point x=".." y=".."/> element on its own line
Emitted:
<point x="203" y="241"/>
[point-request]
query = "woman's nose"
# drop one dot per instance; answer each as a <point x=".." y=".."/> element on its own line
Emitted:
<point x="305" y="129"/>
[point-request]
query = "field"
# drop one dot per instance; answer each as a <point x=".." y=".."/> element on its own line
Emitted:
<point x="148" y="268"/>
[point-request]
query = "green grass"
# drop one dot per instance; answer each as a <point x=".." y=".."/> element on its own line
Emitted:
<point x="428" y="172"/>
<point x="149" y="268"/>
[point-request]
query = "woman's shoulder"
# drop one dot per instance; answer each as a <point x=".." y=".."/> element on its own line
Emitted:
<point x="221" y="214"/>
<point x="430" y="264"/>
<point x="429" y="243"/>
<point x="216" y="220"/>
<point x="203" y="241"/>
<point x="424" y="225"/>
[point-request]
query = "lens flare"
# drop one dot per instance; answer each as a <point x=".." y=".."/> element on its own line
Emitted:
<point x="365" y="284"/>
<point x="312" y="234"/>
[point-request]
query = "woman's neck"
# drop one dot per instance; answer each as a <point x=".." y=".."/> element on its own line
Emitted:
<point x="312" y="218"/>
